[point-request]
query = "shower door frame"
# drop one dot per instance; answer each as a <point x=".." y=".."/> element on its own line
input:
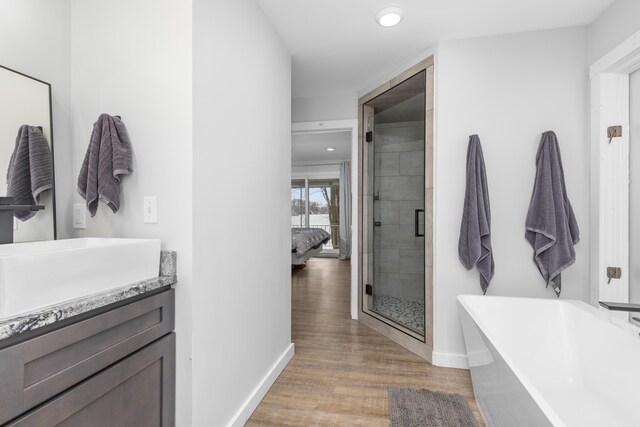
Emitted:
<point x="420" y="345"/>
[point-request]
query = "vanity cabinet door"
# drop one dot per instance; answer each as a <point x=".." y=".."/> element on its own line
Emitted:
<point x="137" y="391"/>
<point x="36" y="370"/>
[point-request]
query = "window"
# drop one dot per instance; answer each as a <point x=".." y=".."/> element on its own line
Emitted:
<point x="316" y="202"/>
<point x="298" y="203"/>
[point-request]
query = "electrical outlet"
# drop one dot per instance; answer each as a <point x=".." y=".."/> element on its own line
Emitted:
<point x="150" y="209"/>
<point x="79" y="216"/>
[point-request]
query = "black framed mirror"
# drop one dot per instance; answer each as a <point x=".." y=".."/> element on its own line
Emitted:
<point x="27" y="153"/>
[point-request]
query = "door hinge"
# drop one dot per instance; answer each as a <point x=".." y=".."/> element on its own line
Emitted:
<point x="614" y="132"/>
<point x="368" y="289"/>
<point x="369" y="136"/>
<point x="613" y="273"/>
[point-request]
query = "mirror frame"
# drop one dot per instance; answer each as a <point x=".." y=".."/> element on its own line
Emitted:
<point x="53" y="156"/>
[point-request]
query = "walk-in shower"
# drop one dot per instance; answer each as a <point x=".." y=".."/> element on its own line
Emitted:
<point x="396" y="199"/>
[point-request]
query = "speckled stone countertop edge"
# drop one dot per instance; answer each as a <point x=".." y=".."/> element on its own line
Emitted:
<point x="68" y="309"/>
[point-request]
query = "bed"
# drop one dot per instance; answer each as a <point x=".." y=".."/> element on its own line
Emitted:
<point x="305" y="243"/>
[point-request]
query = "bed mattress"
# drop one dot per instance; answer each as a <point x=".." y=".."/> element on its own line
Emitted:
<point x="305" y="239"/>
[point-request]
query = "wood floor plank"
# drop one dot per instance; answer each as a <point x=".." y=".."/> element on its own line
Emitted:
<point x="341" y="370"/>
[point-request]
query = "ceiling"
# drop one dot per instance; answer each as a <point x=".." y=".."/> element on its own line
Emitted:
<point x="337" y="46"/>
<point x="310" y="148"/>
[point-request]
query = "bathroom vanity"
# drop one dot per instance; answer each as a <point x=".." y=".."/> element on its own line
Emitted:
<point x="105" y="359"/>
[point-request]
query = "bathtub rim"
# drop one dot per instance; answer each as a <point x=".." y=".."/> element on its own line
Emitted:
<point x="544" y="406"/>
<point x="546" y="409"/>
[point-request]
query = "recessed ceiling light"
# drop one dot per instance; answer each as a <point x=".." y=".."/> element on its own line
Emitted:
<point x="389" y="16"/>
<point x="331" y="148"/>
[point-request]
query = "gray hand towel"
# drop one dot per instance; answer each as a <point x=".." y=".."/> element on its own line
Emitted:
<point x="30" y="170"/>
<point x="551" y="226"/>
<point x="474" y="245"/>
<point x="108" y="157"/>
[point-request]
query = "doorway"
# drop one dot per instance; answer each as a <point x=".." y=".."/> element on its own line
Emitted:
<point x="634" y="192"/>
<point x="614" y="86"/>
<point x="315" y="168"/>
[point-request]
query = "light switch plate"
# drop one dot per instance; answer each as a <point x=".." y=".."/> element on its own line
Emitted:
<point x="79" y="216"/>
<point x="150" y="209"/>
<point x="15" y="224"/>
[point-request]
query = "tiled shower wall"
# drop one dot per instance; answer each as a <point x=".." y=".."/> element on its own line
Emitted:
<point x="399" y="158"/>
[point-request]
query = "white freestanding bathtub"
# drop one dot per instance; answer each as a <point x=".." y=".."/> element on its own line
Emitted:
<point x="538" y="362"/>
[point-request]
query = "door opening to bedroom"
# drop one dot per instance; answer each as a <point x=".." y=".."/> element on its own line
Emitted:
<point x="320" y="192"/>
<point x="324" y="200"/>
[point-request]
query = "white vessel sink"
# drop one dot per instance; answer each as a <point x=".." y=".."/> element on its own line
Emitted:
<point x="35" y="275"/>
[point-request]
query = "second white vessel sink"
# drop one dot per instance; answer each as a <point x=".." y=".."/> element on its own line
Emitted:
<point x="35" y="275"/>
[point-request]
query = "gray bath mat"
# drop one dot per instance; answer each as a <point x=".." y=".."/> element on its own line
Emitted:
<point x="411" y="407"/>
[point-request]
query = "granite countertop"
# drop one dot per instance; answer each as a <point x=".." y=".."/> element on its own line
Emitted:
<point x="67" y="309"/>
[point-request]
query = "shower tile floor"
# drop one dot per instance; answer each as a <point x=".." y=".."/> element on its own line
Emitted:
<point x="407" y="312"/>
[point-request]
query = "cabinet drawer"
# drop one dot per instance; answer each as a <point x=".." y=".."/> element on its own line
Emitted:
<point x="36" y="370"/>
<point x="137" y="391"/>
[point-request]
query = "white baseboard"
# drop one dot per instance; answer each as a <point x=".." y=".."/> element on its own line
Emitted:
<point x="261" y="390"/>
<point x="450" y="360"/>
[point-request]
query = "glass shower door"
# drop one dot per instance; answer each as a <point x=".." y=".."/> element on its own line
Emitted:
<point x="395" y="214"/>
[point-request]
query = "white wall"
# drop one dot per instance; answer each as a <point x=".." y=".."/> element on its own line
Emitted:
<point x="612" y="27"/>
<point x="133" y="58"/>
<point x="334" y="106"/>
<point x="508" y="89"/>
<point x="242" y="296"/>
<point x="35" y="39"/>
<point x="311" y="171"/>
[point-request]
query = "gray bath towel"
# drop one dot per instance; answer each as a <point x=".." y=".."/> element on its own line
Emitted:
<point x="30" y="170"/>
<point x="474" y="245"/>
<point x="551" y="226"/>
<point x="108" y="157"/>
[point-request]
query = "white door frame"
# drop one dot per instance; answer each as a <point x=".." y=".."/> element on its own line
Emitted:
<point x="341" y="126"/>
<point x="609" y="182"/>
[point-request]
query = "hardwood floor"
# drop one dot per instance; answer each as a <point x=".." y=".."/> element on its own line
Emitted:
<point x="341" y="370"/>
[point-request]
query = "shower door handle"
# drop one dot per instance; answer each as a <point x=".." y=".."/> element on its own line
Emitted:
<point x="417" y="219"/>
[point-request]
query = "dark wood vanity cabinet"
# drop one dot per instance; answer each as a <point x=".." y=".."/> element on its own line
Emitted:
<point x="116" y="368"/>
